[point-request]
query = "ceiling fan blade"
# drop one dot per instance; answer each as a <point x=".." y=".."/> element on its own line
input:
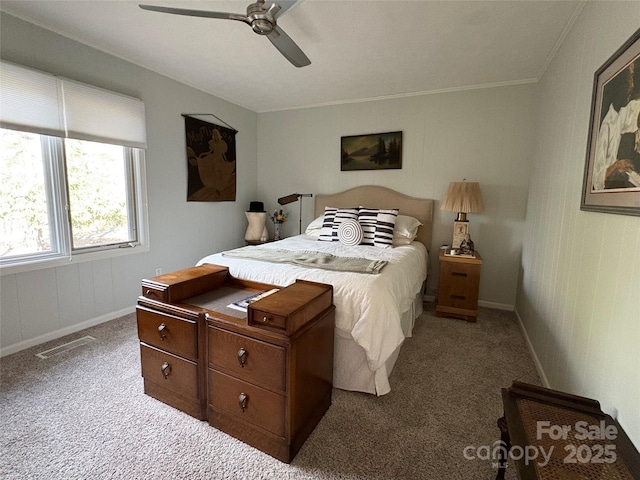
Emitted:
<point x="288" y="48"/>
<point x="194" y="13"/>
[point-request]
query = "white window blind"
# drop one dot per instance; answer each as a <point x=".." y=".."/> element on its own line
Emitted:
<point x="101" y="116"/>
<point x="38" y="102"/>
<point x="30" y="101"/>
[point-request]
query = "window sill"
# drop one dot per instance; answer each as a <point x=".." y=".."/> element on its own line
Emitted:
<point x="79" y="258"/>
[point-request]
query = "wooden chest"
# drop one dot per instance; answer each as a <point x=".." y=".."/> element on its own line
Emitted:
<point x="263" y="376"/>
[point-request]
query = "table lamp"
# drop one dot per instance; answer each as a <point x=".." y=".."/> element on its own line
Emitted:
<point x="462" y="197"/>
<point x="294" y="197"/>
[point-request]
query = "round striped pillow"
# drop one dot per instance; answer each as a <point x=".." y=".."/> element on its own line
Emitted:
<point x="350" y="232"/>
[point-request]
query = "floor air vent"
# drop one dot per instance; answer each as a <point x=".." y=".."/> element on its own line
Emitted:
<point x="65" y="347"/>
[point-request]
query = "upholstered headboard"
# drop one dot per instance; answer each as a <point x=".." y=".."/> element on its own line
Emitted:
<point x="372" y="196"/>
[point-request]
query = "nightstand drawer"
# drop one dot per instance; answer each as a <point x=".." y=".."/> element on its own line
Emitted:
<point x="248" y="402"/>
<point x="459" y="285"/>
<point x="248" y="359"/>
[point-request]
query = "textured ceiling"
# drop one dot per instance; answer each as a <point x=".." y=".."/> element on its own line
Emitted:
<point x="359" y="49"/>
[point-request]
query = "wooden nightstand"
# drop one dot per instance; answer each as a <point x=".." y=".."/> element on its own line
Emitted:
<point x="458" y="286"/>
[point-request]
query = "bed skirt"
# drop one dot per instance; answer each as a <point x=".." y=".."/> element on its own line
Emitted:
<point x="358" y="376"/>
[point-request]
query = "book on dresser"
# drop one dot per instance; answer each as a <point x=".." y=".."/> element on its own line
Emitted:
<point x="264" y="376"/>
<point x="243" y="304"/>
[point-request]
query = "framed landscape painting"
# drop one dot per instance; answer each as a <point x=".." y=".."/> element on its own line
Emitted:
<point x="375" y="151"/>
<point x="612" y="169"/>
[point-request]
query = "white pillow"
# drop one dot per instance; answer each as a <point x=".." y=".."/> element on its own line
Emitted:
<point x="399" y="241"/>
<point x="406" y="228"/>
<point x="314" y="228"/>
<point x="350" y="232"/>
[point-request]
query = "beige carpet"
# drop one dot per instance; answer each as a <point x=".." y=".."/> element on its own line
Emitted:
<point x="83" y="414"/>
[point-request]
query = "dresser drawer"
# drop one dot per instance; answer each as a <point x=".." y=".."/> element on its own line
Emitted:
<point x="258" y="317"/>
<point x="248" y="402"/>
<point x="154" y="292"/>
<point x="292" y="307"/>
<point x="169" y="371"/>
<point x="176" y="286"/>
<point x="251" y="360"/>
<point x="173" y="334"/>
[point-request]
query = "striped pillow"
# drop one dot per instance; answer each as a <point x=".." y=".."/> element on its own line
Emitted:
<point x="333" y="217"/>
<point x="368" y="217"/>
<point x="326" y="232"/>
<point x="377" y="226"/>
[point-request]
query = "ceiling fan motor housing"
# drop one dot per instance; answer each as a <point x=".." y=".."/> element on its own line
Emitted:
<point x="262" y="27"/>
<point x="262" y="21"/>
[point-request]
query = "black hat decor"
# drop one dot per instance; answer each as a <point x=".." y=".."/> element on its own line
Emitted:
<point x="256" y="207"/>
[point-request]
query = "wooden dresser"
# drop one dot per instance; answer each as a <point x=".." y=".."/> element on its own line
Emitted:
<point x="263" y="376"/>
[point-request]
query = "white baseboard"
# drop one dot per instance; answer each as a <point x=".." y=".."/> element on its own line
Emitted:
<point x="497" y="306"/>
<point x="32" y="342"/>
<point x="536" y="360"/>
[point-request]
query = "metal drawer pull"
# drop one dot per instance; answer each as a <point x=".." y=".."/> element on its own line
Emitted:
<point x="265" y="319"/>
<point x="458" y="274"/>
<point x="242" y="401"/>
<point x="459" y="297"/>
<point x="161" y="330"/>
<point x="166" y="370"/>
<point x="242" y="357"/>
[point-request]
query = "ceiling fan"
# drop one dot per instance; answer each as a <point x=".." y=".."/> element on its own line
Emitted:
<point x="261" y="19"/>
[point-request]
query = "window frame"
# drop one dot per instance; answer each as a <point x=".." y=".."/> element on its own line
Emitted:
<point x="56" y="190"/>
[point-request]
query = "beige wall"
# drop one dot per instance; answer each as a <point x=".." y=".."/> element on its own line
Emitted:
<point x="481" y="135"/>
<point x="579" y="297"/>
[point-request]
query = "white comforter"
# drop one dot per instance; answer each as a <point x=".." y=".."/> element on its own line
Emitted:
<point x="368" y="307"/>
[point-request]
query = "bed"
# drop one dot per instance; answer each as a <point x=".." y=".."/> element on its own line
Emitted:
<point x="374" y="312"/>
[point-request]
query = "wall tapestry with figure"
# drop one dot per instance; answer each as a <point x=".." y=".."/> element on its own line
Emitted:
<point x="211" y="160"/>
<point x="612" y="171"/>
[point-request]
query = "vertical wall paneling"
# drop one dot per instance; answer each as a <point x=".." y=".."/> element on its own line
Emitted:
<point x="580" y="281"/>
<point x="70" y="308"/>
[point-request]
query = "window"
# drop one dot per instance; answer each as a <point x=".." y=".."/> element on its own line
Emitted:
<point x="100" y="186"/>
<point x="25" y="214"/>
<point x="72" y="186"/>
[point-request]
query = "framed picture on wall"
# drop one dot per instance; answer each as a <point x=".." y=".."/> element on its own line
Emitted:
<point x="375" y="151"/>
<point x="612" y="171"/>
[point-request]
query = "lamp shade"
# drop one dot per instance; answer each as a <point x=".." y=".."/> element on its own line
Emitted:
<point x="464" y="197"/>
